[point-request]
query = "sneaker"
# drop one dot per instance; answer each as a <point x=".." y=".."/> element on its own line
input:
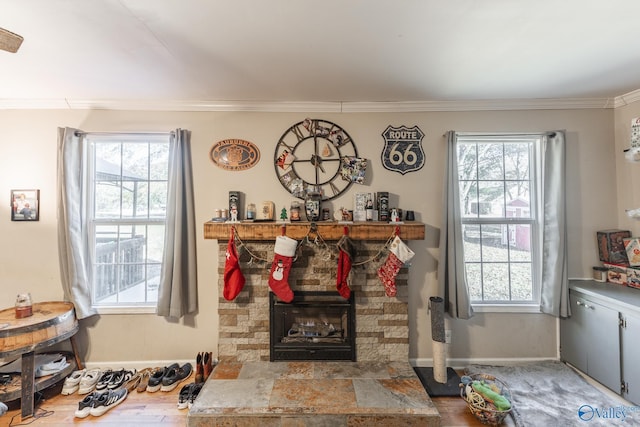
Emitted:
<point x="155" y="380"/>
<point x="194" y="393"/>
<point x="107" y="400"/>
<point x="175" y="376"/>
<point x="89" y="381"/>
<point x="85" y="405"/>
<point x="185" y="395"/>
<point x="52" y="367"/>
<point x="120" y="377"/>
<point x="72" y="382"/>
<point x="104" y="380"/>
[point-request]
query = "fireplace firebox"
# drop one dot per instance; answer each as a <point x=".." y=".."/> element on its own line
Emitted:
<point x="314" y="326"/>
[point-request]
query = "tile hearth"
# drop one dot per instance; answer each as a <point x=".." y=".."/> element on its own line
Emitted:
<point x="313" y="394"/>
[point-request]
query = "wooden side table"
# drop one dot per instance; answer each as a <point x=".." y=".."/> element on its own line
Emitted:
<point x="51" y="323"/>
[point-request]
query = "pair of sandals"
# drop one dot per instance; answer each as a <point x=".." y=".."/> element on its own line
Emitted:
<point x="188" y="395"/>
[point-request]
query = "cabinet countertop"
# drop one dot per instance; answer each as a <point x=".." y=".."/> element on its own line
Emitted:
<point x="612" y="293"/>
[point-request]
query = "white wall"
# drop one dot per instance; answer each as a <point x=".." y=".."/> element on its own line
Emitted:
<point x="28" y="259"/>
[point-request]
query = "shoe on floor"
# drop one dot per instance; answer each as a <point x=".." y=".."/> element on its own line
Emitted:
<point x="121" y="377"/>
<point x="132" y="382"/>
<point x="72" y="382"/>
<point x="188" y="395"/>
<point x="104" y="379"/>
<point x="145" y="374"/>
<point x="155" y="380"/>
<point x="194" y="393"/>
<point x="85" y="405"/>
<point x="175" y="376"/>
<point x="89" y="381"/>
<point x="108" y="400"/>
<point x="185" y="394"/>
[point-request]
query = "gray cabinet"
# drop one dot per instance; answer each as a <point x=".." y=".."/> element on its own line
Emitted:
<point x="601" y="338"/>
<point x="590" y="340"/>
<point x="630" y="338"/>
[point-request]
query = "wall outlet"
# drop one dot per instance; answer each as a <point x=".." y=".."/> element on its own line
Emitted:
<point x="447" y="336"/>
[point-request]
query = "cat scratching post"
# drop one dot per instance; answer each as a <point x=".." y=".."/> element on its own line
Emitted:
<point x="436" y="305"/>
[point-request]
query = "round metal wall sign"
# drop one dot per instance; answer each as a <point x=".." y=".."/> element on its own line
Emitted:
<point x="234" y="154"/>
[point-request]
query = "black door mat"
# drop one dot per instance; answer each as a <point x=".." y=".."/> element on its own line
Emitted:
<point x="433" y="387"/>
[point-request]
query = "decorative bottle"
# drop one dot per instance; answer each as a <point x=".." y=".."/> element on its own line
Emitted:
<point x="312" y="204"/>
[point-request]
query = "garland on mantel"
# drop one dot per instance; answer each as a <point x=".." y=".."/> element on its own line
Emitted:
<point x="313" y="239"/>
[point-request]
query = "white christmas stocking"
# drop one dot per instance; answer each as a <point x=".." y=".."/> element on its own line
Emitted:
<point x="284" y="251"/>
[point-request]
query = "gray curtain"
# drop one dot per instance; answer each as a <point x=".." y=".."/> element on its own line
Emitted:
<point x="452" y="283"/>
<point x="554" y="298"/>
<point x="178" y="291"/>
<point x="72" y="231"/>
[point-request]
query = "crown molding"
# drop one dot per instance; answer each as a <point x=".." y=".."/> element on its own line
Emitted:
<point x="322" y="107"/>
<point x="477" y="105"/>
<point x="627" y="98"/>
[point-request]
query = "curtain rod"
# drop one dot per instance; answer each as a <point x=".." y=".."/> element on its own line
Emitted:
<point x="550" y="134"/>
<point x="79" y="133"/>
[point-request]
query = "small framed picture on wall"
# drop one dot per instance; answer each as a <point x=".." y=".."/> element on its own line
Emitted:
<point x="25" y="205"/>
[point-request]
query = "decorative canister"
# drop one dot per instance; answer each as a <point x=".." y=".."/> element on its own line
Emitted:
<point x="251" y="211"/>
<point x="600" y="274"/>
<point x="23" y="306"/>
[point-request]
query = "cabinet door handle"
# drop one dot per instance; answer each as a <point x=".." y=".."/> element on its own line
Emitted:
<point x="584" y="304"/>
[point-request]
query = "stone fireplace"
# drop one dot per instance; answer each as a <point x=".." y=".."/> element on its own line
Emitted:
<point x="379" y="388"/>
<point x="382" y="325"/>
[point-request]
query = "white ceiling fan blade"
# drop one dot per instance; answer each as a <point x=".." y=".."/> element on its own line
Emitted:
<point x="9" y="41"/>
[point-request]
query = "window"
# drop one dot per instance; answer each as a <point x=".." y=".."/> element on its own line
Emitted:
<point x="497" y="185"/>
<point x="126" y="210"/>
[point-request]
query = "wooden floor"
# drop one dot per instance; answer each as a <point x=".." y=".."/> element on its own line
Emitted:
<point x="160" y="409"/>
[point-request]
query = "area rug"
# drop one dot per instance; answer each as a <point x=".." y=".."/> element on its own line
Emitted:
<point x="550" y="393"/>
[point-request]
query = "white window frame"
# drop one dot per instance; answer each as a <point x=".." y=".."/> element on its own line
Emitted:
<point x="535" y="175"/>
<point x="93" y="223"/>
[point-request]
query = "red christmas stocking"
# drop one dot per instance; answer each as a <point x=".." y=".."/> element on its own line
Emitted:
<point x="233" y="277"/>
<point x="345" y="260"/>
<point x="284" y="251"/>
<point x="399" y="254"/>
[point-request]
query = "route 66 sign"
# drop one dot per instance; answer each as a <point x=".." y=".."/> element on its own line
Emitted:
<point x="403" y="149"/>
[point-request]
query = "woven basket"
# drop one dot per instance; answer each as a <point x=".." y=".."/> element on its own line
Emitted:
<point x="485" y="411"/>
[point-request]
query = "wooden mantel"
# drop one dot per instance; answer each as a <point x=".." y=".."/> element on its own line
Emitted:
<point x="328" y="230"/>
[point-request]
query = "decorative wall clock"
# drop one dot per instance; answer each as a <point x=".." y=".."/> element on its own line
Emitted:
<point x="313" y="155"/>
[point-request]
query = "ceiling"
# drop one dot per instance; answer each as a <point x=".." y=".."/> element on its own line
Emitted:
<point x="203" y="52"/>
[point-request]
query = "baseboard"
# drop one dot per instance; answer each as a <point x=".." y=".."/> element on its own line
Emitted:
<point x="461" y="363"/>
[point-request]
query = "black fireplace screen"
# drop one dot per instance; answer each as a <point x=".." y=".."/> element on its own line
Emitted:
<point x="314" y="326"/>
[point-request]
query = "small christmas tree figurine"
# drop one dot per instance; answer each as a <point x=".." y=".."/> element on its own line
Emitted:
<point x="283" y="214"/>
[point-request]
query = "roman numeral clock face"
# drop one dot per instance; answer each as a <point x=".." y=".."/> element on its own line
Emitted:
<point x="310" y="154"/>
